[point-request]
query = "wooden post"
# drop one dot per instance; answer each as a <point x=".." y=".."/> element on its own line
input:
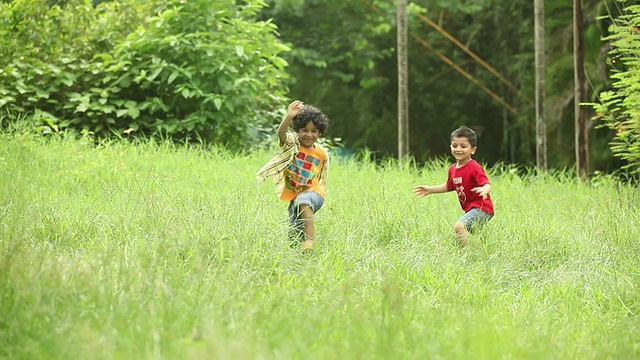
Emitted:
<point x="581" y="114"/>
<point x="403" y="81"/>
<point x="541" y="129"/>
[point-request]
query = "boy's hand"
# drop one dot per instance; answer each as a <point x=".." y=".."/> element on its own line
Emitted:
<point x="294" y="108"/>
<point x="483" y="190"/>
<point x="422" y="190"/>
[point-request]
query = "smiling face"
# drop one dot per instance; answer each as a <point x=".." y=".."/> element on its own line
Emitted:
<point x="308" y="134"/>
<point x="462" y="150"/>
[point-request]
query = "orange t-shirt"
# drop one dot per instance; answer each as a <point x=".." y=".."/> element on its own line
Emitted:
<point x="303" y="172"/>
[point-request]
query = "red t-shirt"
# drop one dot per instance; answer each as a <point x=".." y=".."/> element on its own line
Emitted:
<point x="465" y="178"/>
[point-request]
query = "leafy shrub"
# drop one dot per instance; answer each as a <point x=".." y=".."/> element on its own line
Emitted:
<point x="619" y="108"/>
<point x="182" y="69"/>
<point x="48" y="53"/>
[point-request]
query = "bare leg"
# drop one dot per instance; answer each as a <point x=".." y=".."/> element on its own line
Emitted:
<point x="306" y="214"/>
<point x="463" y="234"/>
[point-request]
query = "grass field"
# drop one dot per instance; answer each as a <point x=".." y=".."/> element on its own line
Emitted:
<point x="153" y="251"/>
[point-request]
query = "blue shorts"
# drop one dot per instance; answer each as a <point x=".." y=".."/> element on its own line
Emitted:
<point x="474" y="218"/>
<point x="310" y="198"/>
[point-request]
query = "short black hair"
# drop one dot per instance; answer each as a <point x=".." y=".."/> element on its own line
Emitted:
<point x="465" y="132"/>
<point x="310" y="113"/>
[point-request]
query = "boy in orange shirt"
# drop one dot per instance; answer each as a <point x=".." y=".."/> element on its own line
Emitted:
<point x="300" y="170"/>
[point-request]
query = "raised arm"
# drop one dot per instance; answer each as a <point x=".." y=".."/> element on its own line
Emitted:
<point x="423" y="190"/>
<point x="292" y="110"/>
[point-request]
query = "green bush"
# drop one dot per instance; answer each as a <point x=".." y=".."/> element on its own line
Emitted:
<point x="201" y="68"/>
<point x="619" y="108"/>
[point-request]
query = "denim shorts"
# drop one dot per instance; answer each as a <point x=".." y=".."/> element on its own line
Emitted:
<point x="474" y="218"/>
<point x="310" y="198"/>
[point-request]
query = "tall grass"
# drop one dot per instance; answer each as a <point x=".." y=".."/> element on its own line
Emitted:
<point x="160" y="251"/>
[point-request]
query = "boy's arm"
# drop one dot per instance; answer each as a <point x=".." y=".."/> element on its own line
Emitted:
<point x="325" y="172"/>
<point x="292" y="110"/>
<point x="482" y="178"/>
<point x="483" y="190"/>
<point x="423" y="190"/>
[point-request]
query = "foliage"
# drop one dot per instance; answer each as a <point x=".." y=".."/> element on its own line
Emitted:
<point x="501" y="34"/>
<point x="340" y="50"/>
<point x="204" y="69"/>
<point x="47" y="53"/>
<point x="619" y="108"/>
<point x="137" y="252"/>
<point x="357" y="86"/>
<point x="351" y="73"/>
<point x="141" y="66"/>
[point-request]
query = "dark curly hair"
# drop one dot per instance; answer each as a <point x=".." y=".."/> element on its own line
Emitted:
<point x="465" y="132"/>
<point x="310" y="113"/>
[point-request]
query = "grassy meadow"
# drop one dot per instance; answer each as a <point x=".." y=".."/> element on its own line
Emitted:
<point x="157" y="251"/>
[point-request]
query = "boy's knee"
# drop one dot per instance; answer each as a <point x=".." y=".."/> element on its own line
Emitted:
<point x="305" y="211"/>
<point x="460" y="228"/>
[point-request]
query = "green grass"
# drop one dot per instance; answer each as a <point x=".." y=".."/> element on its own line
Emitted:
<point x="154" y="251"/>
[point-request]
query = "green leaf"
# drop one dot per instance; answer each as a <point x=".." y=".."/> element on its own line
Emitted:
<point x="239" y="50"/>
<point x="172" y="77"/>
<point x="279" y="62"/>
<point x="154" y="74"/>
<point x="133" y="113"/>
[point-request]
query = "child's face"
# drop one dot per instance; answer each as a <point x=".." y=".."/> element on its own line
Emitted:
<point x="462" y="150"/>
<point x="308" y="134"/>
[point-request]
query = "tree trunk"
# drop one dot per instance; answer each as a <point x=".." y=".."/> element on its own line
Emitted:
<point x="581" y="115"/>
<point x="403" y="81"/>
<point x="541" y="131"/>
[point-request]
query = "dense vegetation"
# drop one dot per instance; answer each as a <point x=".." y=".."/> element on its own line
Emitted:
<point x="620" y="107"/>
<point x="352" y="72"/>
<point x="222" y="71"/>
<point x="158" y="251"/>
<point x="184" y="69"/>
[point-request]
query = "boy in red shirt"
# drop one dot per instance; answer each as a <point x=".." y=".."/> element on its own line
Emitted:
<point x="300" y="170"/>
<point x="469" y="180"/>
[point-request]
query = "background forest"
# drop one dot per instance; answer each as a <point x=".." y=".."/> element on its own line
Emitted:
<point x="223" y="71"/>
<point x="352" y="73"/>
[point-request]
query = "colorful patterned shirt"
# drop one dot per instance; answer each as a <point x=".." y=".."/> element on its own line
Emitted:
<point x="293" y="172"/>
<point x="302" y="173"/>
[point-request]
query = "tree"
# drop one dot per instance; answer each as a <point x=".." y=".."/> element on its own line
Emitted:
<point x="541" y="130"/>
<point x="580" y="96"/>
<point x="343" y="58"/>
<point x="403" y="96"/>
